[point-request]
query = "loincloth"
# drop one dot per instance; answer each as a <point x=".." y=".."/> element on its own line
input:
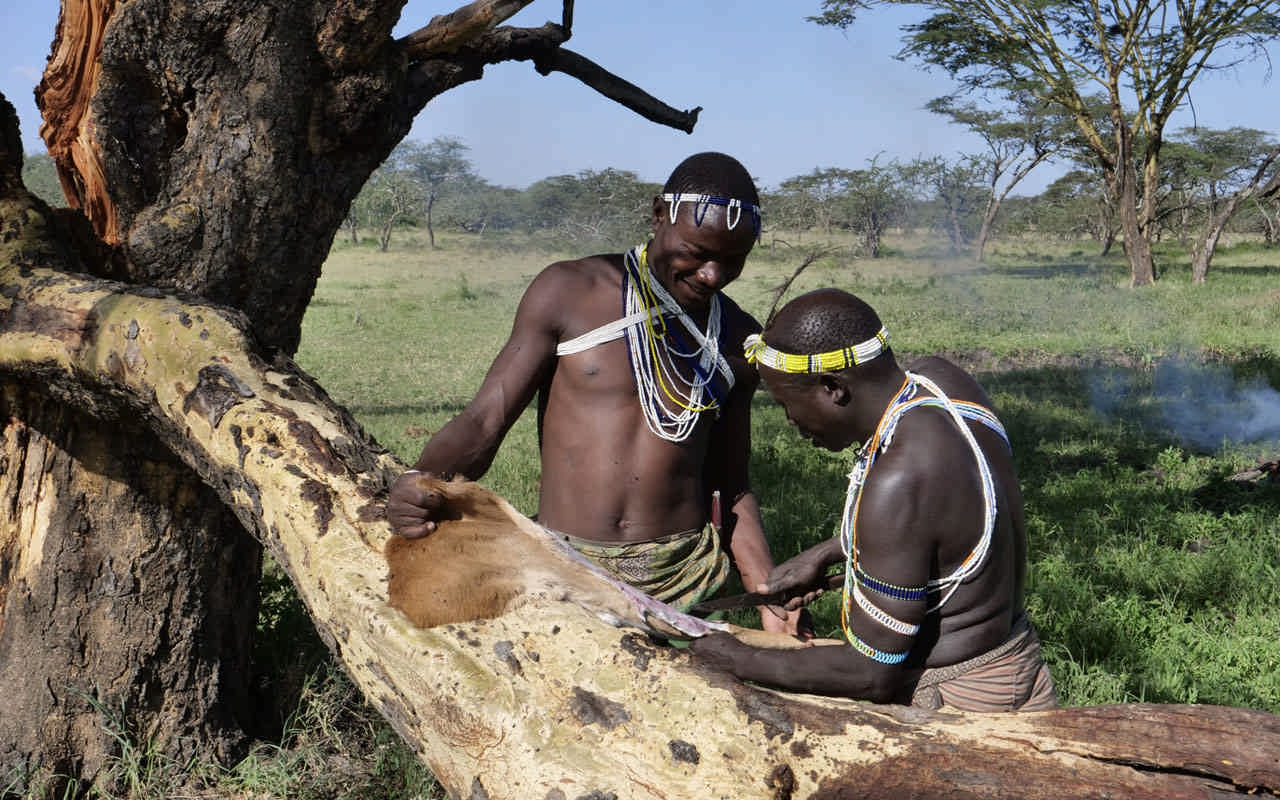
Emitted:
<point x="680" y="569"/>
<point x="1011" y="677"/>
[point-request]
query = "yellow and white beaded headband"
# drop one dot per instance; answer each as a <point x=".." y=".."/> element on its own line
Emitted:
<point x="760" y="353"/>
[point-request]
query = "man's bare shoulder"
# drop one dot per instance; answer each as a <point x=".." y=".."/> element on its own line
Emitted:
<point x="580" y="273"/>
<point x="565" y="285"/>
<point x="951" y="378"/>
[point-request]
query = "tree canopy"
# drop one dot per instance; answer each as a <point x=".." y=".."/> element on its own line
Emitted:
<point x="1142" y="58"/>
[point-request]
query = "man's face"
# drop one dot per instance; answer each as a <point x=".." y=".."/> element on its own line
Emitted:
<point x="811" y="408"/>
<point x="694" y="261"/>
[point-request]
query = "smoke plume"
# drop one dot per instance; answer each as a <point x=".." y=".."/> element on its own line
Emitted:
<point x="1204" y="406"/>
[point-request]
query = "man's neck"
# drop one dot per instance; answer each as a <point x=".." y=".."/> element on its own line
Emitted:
<point x="876" y="399"/>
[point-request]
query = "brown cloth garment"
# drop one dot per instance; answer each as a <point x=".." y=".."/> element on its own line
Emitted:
<point x="1011" y="677"/>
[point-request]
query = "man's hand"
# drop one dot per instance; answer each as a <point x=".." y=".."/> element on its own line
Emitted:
<point x="803" y="577"/>
<point x="411" y="508"/>
<point x="795" y="622"/>
<point x="718" y="651"/>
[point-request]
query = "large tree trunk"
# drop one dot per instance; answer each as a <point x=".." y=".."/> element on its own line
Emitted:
<point x="124" y="605"/>
<point x="131" y="595"/>
<point x="988" y="220"/>
<point x="546" y="700"/>
<point x="1124" y="182"/>
<point x="123" y="584"/>
<point x="137" y="623"/>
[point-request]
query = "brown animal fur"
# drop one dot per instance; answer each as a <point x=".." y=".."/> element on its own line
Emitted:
<point x="485" y="558"/>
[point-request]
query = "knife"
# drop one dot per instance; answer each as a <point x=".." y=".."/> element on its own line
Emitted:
<point x="749" y="599"/>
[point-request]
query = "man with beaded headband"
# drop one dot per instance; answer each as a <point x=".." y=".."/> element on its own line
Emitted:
<point x="932" y="536"/>
<point x="643" y="417"/>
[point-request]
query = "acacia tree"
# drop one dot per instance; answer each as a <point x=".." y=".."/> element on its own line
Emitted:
<point x="1267" y="208"/>
<point x="390" y="197"/>
<point x="874" y="199"/>
<point x="1143" y="55"/>
<point x="1236" y="165"/>
<point x="815" y="199"/>
<point x="477" y="206"/>
<point x="954" y="188"/>
<point x="1079" y="202"/>
<point x="1019" y="138"/>
<point x="591" y="206"/>
<point x="154" y="435"/>
<point x="435" y="167"/>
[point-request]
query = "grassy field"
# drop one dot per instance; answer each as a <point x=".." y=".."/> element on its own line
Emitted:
<point x="1152" y="577"/>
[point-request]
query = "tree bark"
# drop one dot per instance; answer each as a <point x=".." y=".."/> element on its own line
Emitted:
<point x="546" y="700"/>
<point x="134" y="624"/>
<point x="202" y="174"/>
<point x="1124" y="182"/>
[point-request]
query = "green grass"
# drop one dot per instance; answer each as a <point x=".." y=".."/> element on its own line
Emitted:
<point x="1151" y="576"/>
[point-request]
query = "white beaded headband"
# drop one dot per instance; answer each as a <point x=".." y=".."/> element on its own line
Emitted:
<point x="733" y="208"/>
<point x="758" y="352"/>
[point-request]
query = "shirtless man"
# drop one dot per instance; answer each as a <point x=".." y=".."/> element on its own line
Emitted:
<point x="643" y="400"/>
<point x="932" y="611"/>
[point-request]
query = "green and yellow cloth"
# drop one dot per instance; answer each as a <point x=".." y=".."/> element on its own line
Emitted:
<point x="680" y="569"/>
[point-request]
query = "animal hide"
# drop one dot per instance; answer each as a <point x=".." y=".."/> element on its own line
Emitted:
<point x="486" y="558"/>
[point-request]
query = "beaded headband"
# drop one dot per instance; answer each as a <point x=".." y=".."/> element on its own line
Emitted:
<point x="701" y="202"/>
<point x="758" y="352"/>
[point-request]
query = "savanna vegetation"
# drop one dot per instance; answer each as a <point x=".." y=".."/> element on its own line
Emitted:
<point x="1153" y="575"/>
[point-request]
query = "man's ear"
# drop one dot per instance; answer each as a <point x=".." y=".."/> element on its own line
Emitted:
<point x="659" y="214"/>
<point x="837" y="391"/>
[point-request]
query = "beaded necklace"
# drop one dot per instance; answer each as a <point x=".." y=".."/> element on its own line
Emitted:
<point x="674" y="386"/>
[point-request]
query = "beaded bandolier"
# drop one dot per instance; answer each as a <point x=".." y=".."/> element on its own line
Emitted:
<point x="906" y="398"/>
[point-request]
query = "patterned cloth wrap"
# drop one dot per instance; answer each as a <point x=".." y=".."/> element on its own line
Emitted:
<point x="1011" y="677"/>
<point x="680" y="569"/>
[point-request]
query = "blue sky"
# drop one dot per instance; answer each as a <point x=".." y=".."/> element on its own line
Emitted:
<point x="782" y="94"/>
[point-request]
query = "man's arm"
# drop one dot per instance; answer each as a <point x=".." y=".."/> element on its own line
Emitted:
<point x="836" y="670"/>
<point x="727" y="471"/>
<point x="895" y="544"/>
<point x="467" y="444"/>
<point x="804" y="576"/>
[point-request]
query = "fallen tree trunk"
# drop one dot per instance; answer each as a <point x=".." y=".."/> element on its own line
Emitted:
<point x="546" y="700"/>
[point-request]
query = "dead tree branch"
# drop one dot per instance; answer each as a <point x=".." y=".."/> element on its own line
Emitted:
<point x="447" y="32"/>
<point x="453" y="50"/>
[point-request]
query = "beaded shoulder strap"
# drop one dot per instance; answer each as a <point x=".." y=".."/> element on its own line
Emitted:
<point x="855" y="577"/>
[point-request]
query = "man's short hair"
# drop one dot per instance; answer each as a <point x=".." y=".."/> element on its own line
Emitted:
<point x="821" y="321"/>
<point x="713" y="174"/>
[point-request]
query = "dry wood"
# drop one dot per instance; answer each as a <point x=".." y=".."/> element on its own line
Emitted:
<point x="446" y="32"/>
<point x="618" y="90"/>
<point x="1266" y="469"/>
<point x="69" y="81"/>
